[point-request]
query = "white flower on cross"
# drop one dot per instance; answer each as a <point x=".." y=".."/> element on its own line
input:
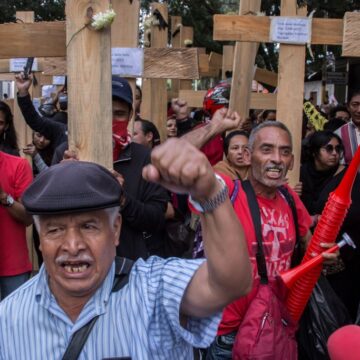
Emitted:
<point x="188" y="42"/>
<point x="102" y="20"/>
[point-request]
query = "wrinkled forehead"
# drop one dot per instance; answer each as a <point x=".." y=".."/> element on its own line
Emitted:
<point x="274" y="136"/>
<point x="72" y="217"/>
<point x="239" y="140"/>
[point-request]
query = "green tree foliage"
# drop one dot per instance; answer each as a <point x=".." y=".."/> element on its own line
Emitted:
<point x="45" y="10"/>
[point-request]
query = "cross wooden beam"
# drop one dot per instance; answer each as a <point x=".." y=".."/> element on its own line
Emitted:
<point x="154" y="105"/>
<point x="89" y="84"/>
<point x="23" y="131"/>
<point x="257" y="29"/>
<point x="262" y="75"/>
<point x="257" y="100"/>
<point x="291" y="59"/>
<point x="244" y="60"/>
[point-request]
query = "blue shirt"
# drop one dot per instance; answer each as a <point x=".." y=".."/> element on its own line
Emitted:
<point x="141" y="320"/>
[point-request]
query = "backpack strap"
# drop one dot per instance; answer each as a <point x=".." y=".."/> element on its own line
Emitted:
<point x="296" y="256"/>
<point x="255" y="214"/>
<point x="235" y="191"/>
<point x="122" y="271"/>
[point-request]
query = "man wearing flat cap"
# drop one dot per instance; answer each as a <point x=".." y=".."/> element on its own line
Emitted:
<point x="166" y="307"/>
<point x="144" y="203"/>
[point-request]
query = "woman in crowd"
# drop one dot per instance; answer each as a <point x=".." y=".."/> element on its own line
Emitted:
<point x="234" y="165"/>
<point x="171" y="128"/>
<point x="324" y="152"/>
<point x="320" y="177"/>
<point x="146" y="133"/>
<point x="41" y="152"/>
<point x="8" y="138"/>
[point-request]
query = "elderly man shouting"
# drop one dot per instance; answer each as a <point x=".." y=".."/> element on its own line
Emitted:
<point x="166" y="307"/>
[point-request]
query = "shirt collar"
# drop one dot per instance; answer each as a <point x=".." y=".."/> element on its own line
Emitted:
<point x="98" y="302"/>
<point x="351" y="123"/>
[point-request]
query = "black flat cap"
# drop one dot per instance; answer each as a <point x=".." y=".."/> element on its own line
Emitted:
<point x="72" y="186"/>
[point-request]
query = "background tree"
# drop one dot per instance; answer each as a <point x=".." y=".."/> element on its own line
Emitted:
<point x="45" y="10"/>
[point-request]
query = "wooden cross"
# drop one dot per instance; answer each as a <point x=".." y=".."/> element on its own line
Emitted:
<point x="292" y="58"/>
<point x="88" y="61"/>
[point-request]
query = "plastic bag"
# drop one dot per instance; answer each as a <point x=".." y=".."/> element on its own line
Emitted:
<point x="324" y="314"/>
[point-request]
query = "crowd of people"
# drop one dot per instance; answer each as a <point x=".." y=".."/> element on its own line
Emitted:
<point x="185" y="218"/>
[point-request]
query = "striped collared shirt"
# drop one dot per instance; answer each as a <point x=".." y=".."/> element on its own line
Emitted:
<point x="350" y="136"/>
<point x="140" y="321"/>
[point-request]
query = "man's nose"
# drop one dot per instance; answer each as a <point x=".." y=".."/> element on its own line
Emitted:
<point x="73" y="242"/>
<point x="276" y="156"/>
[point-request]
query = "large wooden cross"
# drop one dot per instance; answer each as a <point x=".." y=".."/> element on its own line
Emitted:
<point x="88" y="67"/>
<point x="291" y="75"/>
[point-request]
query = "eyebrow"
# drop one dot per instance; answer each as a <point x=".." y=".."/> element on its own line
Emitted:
<point x="272" y="146"/>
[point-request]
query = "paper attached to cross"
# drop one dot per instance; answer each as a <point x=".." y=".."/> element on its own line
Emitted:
<point x="290" y="30"/>
<point x="17" y="65"/>
<point x="127" y="62"/>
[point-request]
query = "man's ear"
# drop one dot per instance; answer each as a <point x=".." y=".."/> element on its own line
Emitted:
<point x="247" y="156"/>
<point x="291" y="162"/>
<point x="117" y="229"/>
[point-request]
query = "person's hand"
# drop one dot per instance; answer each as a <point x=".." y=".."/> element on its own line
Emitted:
<point x="30" y="149"/>
<point x="225" y="120"/>
<point x="22" y="84"/>
<point x="180" y="108"/>
<point x="70" y="155"/>
<point x="330" y="259"/>
<point x="298" y="188"/>
<point x="181" y="168"/>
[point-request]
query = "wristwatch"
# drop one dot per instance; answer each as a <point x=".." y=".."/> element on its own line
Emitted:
<point x="211" y="204"/>
<point x="9" y="201"/>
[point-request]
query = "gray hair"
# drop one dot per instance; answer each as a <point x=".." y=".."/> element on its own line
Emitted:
<point x="266" y="124"/>
<point x="112" y="213"/>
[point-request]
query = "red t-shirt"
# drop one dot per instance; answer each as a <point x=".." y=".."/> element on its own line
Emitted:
<point x="279" y="238"/>
<point x="15" y="177"/>
<point x="213" y="149"/>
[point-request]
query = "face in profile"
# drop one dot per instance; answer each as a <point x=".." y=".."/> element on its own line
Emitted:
<point x="140" y="137"/>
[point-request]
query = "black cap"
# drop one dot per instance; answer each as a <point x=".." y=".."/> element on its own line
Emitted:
<point x="72" y="186"/>
<point x="122" y="90"/>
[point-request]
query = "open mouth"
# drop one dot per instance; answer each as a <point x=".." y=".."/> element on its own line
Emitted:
<point x="273" y="173"/>
<point x="75" y="267"/>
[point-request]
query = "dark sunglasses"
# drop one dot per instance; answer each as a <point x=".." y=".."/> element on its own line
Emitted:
<point x="330" y="148"/>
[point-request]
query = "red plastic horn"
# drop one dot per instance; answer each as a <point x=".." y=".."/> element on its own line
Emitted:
<point x="290" y="277"/>
<point x="326" y="231"/>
